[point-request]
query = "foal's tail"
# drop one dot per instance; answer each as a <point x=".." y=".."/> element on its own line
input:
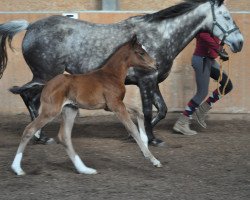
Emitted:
<point x="7" y="32"/>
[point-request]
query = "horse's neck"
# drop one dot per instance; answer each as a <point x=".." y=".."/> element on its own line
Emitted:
<point x="117" y="65"/>
<point x="178" y="32"/>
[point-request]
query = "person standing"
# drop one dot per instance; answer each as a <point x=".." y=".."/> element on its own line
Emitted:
<point x="208" y="48"/>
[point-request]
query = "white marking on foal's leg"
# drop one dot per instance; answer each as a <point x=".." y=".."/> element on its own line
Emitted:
<point x="16" y="165"/>
<point x="81" y="167"/>
<point x="144" y="137"/>
<point x="142" y="131"/>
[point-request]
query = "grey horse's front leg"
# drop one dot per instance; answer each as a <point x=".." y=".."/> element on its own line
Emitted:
<point x="147" y="90"/>
<point x="160" y="105"/>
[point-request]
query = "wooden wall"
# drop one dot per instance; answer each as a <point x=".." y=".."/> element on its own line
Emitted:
<point x="177" y="89"/>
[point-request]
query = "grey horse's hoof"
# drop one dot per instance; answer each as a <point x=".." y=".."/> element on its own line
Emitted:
<point x="43" y="140"/>
<point x="157" y="142"/>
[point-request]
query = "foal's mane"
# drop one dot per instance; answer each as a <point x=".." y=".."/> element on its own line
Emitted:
<point x="114" y="51"/>
<point x="177" y="10"/>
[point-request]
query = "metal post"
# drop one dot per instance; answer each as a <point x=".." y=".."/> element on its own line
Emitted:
<point x="110" y="4"/>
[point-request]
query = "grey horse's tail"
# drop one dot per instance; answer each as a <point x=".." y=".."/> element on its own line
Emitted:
<point x="31" y="85"/>
<point x="7" y="32"/>
<point x="17" y="90"/>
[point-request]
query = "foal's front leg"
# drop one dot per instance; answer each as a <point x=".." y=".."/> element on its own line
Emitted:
<point x="136" y="113"/>
<point x="122" y="114"/>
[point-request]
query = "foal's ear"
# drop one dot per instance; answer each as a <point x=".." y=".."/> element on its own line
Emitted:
<point x="133" y="41"/>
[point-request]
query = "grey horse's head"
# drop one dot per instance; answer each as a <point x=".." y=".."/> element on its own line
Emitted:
<point x="223" y="26"/>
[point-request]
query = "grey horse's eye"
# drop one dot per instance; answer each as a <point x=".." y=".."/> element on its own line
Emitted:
<point x="227" y="18"/>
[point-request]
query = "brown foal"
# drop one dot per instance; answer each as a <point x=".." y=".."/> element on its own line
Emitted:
<point x="100" y="89"/>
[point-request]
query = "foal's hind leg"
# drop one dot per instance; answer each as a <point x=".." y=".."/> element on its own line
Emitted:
<point x="122" y="114"/>
<point x="29" y="131"/>
<point x="68" y="116"/>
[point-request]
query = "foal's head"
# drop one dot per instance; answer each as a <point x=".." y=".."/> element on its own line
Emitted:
<point x="139" y="57"/>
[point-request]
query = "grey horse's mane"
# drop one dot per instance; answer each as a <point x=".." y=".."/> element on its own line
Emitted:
<point x="177" y="10"/>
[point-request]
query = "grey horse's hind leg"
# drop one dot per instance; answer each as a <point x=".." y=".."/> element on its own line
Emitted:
<point x="32" y="102"/>
<point x="30" y="93"/>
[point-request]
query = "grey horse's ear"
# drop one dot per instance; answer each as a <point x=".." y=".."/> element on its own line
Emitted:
<point x="219" y="2"/>
<point x="133" y="41"/>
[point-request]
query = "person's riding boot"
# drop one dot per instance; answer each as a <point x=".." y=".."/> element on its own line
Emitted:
<point x="182" y="126"/>
<point x="201" y="113"/>
<point x="43" y="139"/>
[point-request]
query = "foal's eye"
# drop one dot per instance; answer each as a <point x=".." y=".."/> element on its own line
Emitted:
<point x="142" y="53"/>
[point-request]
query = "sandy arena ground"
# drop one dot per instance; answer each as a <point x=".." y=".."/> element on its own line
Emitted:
<point x="213" y="165"/>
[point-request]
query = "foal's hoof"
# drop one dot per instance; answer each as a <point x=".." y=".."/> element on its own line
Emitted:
<point x="18" y="172"/>
<point x="157" y="164"/>
<point x="88" y="170"/>
<point x="21" y="173"/>
<point x="43" y="140"/>
<point x="156" y="142"/>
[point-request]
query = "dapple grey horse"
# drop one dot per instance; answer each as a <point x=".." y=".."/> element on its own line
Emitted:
<point x="57" y="44"/>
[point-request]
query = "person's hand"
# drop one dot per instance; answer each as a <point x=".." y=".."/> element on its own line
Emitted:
<point x="223" y="54"/>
